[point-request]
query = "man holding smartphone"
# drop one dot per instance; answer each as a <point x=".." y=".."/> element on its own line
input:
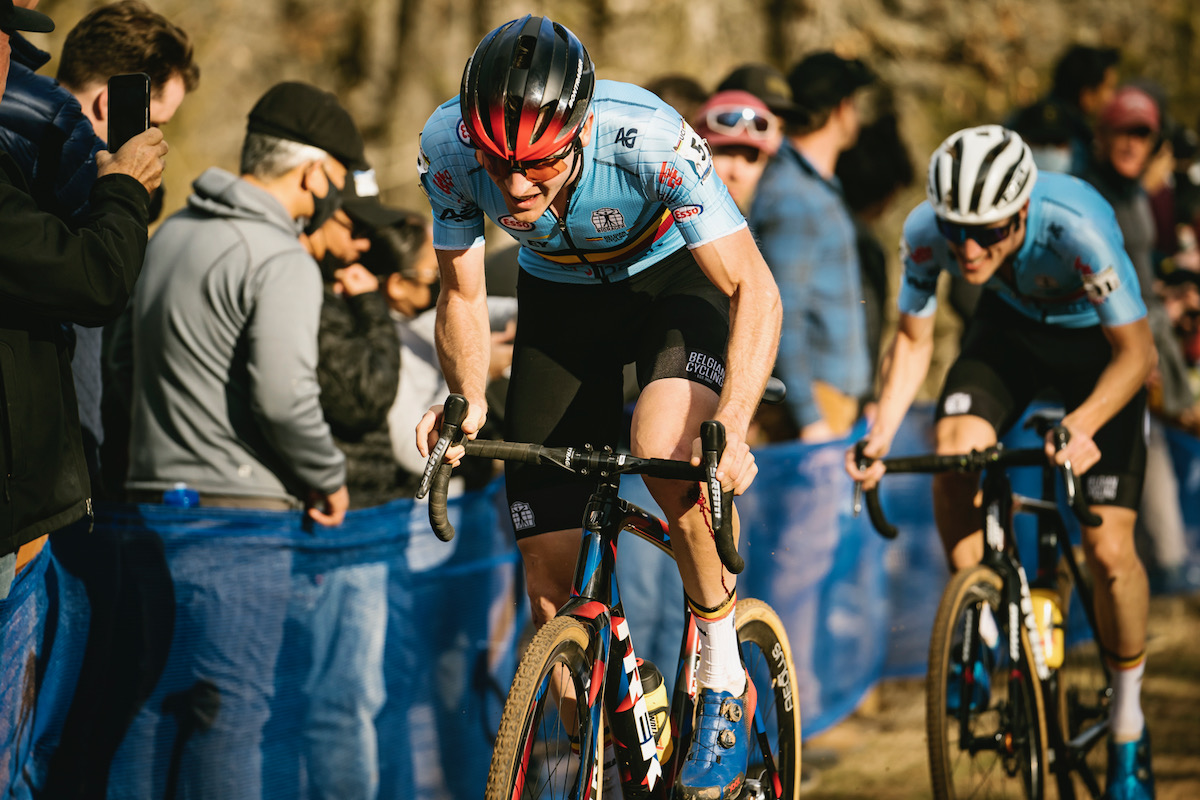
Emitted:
<point x="50" y="273"/>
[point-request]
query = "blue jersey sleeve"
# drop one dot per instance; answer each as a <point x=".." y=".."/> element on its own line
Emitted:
<point x="444" y="160"/>
<point x="922" y="253"/>
<point x="676" y="166"/>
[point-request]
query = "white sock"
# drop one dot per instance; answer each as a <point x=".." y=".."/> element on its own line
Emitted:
<point x="1126" y="720"/>
<point x="720" y="664"/>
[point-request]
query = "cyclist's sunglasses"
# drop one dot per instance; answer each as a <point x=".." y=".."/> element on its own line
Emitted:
<point x="538" y="171"/>
<point x="733" y="120"/>
<point x="982" y="235"/>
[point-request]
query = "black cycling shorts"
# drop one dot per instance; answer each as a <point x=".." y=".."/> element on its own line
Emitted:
<point x="1007" y="359"/>
<point x="572" y="344"/>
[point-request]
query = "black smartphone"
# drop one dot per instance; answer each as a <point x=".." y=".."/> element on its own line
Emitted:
<point x="128" y="107"/>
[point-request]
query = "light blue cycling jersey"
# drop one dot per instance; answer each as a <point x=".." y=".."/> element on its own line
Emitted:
<point x="647" y="189"/>
<point x="1072" y="270"/>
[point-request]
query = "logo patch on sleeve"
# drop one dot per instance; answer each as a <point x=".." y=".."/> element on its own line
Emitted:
<point x="1100" y="285"/>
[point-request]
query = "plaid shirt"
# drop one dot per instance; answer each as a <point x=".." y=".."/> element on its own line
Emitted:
<point x="807" y="238"/>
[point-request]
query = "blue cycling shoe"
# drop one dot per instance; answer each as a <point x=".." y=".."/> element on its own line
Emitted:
<point x="979" y="686"/>
<point x="715" y="768"/>
<point x="1129" y="773"/>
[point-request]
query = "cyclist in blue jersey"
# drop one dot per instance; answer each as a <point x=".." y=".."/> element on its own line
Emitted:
<point x="631" y="251"/>
<point x="1061" y="309"/>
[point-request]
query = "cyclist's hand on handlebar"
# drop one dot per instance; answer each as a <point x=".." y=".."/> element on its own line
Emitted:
<point x="1080" y="450"/>
<point x="737" y="468"/>
<point x="873" y="449"/>
<point x="430" y="426"/>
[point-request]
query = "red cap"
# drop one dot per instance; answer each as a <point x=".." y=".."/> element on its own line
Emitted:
<point x="1129" y="108"/>
<point x="746" y="113"/>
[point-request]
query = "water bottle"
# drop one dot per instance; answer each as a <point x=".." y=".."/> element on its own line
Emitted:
<point x="180" y="496"/>
<point x="1049" y="619"/>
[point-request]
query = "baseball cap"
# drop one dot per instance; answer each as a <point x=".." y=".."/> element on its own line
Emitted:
<point x="360" y="201"/>
<point x="737" y="118"/>
<point x="303" y="113"/>
<point x="1130" y="107"/>
<point x="13" y="19"/>
<point x="823" y="79"/>
<point x="764" y="82"/>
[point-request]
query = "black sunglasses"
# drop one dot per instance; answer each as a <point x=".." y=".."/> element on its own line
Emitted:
<point x="982" y="235"/>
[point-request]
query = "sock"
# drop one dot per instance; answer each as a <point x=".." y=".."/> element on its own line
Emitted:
<point x="720" y="663"/>
<point x="1126" y="720"/>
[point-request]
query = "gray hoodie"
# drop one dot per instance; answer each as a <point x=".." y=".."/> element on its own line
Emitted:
<point x="225" y="317"/>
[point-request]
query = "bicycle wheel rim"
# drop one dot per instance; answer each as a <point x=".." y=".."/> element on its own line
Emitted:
<point x="1004" y="752"/>
<point x="535" y="757"/>
<point x="774" y="765"/>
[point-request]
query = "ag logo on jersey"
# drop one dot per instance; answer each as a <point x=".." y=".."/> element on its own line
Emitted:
<point x="607" y="220"/>
<point x="512" y="223"/>
<point x="694" y="148"/>
<point x="1099" y="285"/>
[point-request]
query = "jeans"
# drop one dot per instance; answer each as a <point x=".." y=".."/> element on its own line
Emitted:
<point x="346" y="610"/>
<point x="209" y="709"/>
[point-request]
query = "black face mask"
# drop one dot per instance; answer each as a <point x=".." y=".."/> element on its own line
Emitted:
<point x="155" y="208"/>
<point x="329" y="264"/>
<point x="323" y="207"/>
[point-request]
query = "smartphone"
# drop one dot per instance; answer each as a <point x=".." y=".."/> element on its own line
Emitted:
<point x="128" y="107"/>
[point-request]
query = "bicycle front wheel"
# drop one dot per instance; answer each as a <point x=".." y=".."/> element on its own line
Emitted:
<point x="984" y="714"/>
<point x="545" y="748"/>
<point x="774" y="765"/>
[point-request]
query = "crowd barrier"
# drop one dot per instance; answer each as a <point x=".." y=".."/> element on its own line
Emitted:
<point x="287" y="638"/>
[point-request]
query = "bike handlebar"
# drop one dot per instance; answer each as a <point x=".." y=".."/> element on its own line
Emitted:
<point x="974" y="461"/>
<point x="436" y="478"/>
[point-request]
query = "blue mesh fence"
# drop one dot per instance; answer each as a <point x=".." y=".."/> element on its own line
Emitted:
<point x="300" y="658"/>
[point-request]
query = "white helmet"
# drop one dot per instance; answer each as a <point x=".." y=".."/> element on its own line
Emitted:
<point x="979" y="176"/>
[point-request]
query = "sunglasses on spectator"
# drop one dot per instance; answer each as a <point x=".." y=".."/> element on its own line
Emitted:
<point x="981" y="234"/>
<point x="1138" y="132"/>
<point x="539" y="171"/>
<point x="734" y="120"/>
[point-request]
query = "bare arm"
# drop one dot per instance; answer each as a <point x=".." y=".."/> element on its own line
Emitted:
<point x="1133" y="357"/>
<point x="904" y="367"/>
<point x="463" y="341"/>
<point x="735" y="266"/>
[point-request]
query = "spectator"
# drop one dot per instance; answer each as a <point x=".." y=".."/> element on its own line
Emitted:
<point x="764" y="82"/>
<point x="50" y="273"/>
<point x="1046" y="128"/>
<point x="53" y="129"/>
<point x="872" y="173"/>
<point x="345" y="604"/>
<point x="808" y="239"/>
<point x="681" y="92"/>
<point x="226" y="398"/>
<point x="54" y="142"/>
<point x="1085" y="79"/>
<point x="742" y="133"/>
<point x="1126" y="137"/>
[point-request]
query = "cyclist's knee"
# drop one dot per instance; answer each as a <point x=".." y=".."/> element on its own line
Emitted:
<point x="961" y="434"/>
<point x="1112" y="553"/>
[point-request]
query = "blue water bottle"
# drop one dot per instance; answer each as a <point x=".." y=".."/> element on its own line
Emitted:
<point x="181" y="496"/>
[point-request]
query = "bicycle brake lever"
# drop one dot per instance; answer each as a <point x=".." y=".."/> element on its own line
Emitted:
<point x="712" y="438"/>
<point x="436" y="479"/>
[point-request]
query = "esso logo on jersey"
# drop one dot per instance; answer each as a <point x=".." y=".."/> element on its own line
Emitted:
<point x="514" y="224"/>
<point x="684" y="213"/>
<point x="463" y="136"/>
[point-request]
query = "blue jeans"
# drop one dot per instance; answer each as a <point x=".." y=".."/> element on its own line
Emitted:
<point x="207" y="714"/>
<point x="346" y="611"/>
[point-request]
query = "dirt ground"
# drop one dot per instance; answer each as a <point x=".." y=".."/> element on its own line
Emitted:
<point x="880" y="753"/>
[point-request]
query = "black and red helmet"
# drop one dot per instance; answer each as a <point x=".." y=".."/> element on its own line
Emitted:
<point x="526" y="90"/>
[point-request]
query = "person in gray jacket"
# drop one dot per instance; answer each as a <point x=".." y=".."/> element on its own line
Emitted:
<point x="225" y="399"/>
<point x="225" y="394"/>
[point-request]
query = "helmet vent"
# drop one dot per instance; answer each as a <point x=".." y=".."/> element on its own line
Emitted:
<point x="523" y="56"/>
